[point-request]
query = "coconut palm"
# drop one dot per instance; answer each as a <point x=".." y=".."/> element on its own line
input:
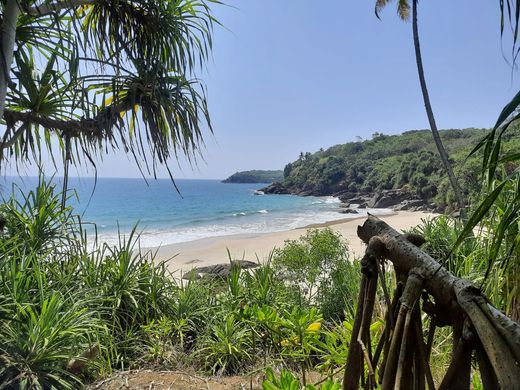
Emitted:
<point x="403" y="10"/>
<point x="81" y="78"/>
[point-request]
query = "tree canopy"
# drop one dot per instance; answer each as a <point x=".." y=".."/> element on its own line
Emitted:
<point x="84" y="77"/>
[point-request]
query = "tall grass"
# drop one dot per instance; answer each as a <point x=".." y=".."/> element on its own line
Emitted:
<point x="73" y="310"/>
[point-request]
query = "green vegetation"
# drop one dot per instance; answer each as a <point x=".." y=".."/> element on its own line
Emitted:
<point x="256" y="176"/>
<point x="408" y="161"/>
<point x="147" y="102"/>
<point x="72" y="311"/>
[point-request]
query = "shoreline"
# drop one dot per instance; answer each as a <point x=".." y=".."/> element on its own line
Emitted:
<point x="344" y="220"/>
<point x="184" y="256"/>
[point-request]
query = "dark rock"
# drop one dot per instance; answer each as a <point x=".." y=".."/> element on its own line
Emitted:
<point x="389" y="198"/>
<point x="219" y="270"/>
<point x="358" y="200"/>
<point x="345" y="196"/>
<point x="373" y="200"/>
<point x="349" y="211"/>
<point x="276" y="188"/>
<point x="408" y="204"/>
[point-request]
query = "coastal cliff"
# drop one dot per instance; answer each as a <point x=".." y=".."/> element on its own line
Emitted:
<point x="389" y="170"/>
<point x="255" y="176"/>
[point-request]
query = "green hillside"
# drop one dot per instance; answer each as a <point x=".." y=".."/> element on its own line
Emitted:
<point x="407" y="161"/>
<point x="255" y="176"/>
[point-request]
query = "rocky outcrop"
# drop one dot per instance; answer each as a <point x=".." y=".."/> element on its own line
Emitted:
<point x="276" y="188"/>
<point x="397" y="199"/>
<point x="410" y="204"/>
<point x="390" y="198"/>
<point x="349" y="211"/>
<point x="221" y="271"/>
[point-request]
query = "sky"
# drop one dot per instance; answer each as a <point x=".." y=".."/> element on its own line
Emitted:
<point x="291" y="76"/>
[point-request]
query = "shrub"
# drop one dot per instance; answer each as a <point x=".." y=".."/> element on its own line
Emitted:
<point x="102" y="307"/>
<point x="318" y="265"/>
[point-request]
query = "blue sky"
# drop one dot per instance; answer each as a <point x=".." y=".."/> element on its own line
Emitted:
<point x="295" y="75"/>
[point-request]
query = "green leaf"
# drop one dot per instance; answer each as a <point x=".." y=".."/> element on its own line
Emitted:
<point x="508" y="110"/>
<point x="477" y="216"/>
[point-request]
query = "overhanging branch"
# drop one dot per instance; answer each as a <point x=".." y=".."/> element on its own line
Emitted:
<point x="47" y="8"/>
<point x="97" y="127"/>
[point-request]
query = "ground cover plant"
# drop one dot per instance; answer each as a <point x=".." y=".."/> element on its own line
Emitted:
<point x="74" y="310"/>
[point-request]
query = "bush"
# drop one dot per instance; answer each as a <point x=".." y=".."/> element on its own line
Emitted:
<point x="72" y="311"/>
<point x="318" y="265"/>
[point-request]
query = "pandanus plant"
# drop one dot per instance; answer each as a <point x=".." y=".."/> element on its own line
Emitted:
<point x="83" y="77"/>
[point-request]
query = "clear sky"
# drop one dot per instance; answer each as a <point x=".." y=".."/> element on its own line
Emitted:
<point x="295" y="75"/>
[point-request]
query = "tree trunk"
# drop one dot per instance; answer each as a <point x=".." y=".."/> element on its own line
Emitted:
<point x="431" y="118"/>
<point x="7" y="40"/>
<point x="455" y="301"/>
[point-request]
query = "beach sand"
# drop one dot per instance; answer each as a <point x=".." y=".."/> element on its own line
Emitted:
<point x="184" y="256"/>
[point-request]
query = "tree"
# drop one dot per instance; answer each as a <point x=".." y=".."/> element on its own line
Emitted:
<point x="403" y="10"/>
<point x="83" y="77"/>
<point x="401" y="360"/>
<point x="499" y="210"/>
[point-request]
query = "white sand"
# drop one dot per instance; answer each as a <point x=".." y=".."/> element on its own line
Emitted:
<point x="213" y="250"/>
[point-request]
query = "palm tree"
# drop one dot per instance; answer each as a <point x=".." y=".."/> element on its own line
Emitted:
<point x="403" y="10"/>
<point x="81" y="78"/>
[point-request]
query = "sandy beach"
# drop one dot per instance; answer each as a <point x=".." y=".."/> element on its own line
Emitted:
<point x="213" y="250"/>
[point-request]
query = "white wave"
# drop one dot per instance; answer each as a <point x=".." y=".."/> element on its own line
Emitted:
<point x="254" y="224"/>
<point x="332" y="200"/>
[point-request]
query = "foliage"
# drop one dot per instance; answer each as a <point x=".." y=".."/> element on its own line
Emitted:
<point x="42" y="336"/>
<point x="498" y="211"/>
<point x="287" y="381"/>
<point x="408" y="161"/>
<point x="67" y="301"/>
<point x="147" y="101"/>
<point x="228" y="345"/>
<point x="256" y="176"/>
<point x="318" y="265"/>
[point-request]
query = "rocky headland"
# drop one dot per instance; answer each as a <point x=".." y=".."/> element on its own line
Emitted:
<point x="395" y="199"/>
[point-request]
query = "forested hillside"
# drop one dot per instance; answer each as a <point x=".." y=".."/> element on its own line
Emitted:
<point x="407" y="161"/>
<point x="255" y="176"/>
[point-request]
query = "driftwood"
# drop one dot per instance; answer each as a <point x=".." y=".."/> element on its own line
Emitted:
<point x="479" y="329"/>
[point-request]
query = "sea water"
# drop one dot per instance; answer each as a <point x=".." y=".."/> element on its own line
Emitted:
<point x="198" y="209"/>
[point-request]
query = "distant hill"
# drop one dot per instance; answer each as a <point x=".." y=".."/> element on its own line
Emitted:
<point x="256" y="176"/>
<point x="407" y="162"/>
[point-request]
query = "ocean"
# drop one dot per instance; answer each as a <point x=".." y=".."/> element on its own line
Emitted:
<point x="204" y="208"/>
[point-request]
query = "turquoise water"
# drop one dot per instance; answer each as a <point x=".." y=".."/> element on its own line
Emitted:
<point x="204" y="208"/>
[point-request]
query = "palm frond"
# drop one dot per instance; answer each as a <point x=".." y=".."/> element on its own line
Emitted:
<point x="403" y="8"/>
<point x="142" y="54"/>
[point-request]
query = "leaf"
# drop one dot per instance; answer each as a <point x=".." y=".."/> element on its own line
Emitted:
<point x="509" y="216"/>
<point x="477" y="216"/>
<point x="266" y="385"/>
<point x="509" y="158"/>
<point x="508" y="110"/>
<point x="314" y="327"/>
